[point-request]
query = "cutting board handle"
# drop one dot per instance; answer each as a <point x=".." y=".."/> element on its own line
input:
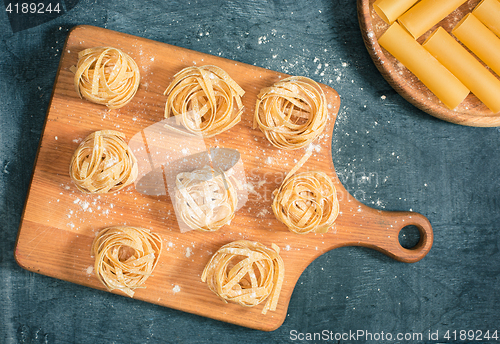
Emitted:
<point x="380" y="230"/>
<point x="393" y="247"/>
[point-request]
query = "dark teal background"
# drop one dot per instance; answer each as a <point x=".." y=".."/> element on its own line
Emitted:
<point x="447" y="172"/>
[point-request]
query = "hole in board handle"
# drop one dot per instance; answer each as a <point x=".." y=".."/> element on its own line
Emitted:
<point x="409" y="237"/>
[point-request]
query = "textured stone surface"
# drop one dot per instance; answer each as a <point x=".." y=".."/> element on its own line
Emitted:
<point x="447" y="172"/>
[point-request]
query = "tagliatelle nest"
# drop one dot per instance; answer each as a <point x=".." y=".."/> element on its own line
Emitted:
<point x="292" y="113"/>
<point x="125" y="257"/>
<point x="205" y="199"/>
<point x="103" y="162"/>
<point x="205" y="100"/>
<point x="306" y="202"/>
<point x="246" y="273"/>
<point x="106" y="76"/>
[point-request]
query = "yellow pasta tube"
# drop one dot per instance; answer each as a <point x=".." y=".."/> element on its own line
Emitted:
<point x="465" y="67"/>
<point x="480" y="40"/>
<point x="488" y="12"/>
<point x="426" y="14"/>
<point x="420" y="62"/>
<point x="390" y="10"/>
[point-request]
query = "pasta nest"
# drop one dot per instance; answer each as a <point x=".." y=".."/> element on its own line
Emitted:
<point x="205" y="100"/>
<point x="306" y="202"/>
<point x="103" y="162"/>
<point x="205" y="199"/>
<point x="125" y="257"/>
<point x="246" y="273"/>
<point x="106" y="76"/>
<point x="292" y="113"/>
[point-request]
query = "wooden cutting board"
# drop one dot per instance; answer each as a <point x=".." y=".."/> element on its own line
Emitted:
<point x="471" y="112"/>
<point x="59" y="223"/>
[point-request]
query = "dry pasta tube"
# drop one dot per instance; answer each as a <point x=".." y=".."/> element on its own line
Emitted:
<point x="205" y="100"/>
<point x="427" y="13"/>
<point x="390" y="10"/>
<point x="465" y="67"/>
<point x="292" y="113"/>
<point x="205" y="199"/>
<point x="246" y="273"/>
<point x="106" y="76"/>
<point x="125" y="257"/>
<point x="103" y="162"/>
<point x="424" y="66"/>
<point x="488" y="12"/>
<point x="480" y="40"/>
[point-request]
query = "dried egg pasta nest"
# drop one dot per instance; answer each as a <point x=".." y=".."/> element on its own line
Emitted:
<point x="125" y="257"/>
<point x="292" y="113"/>
<point x="205" y="100"/>
<point x="205" y="199"/>
<point x="103" y="162"/>
<point x="246" y="273"/>
<point x="306" y="202"/>
<point x="106" y="76"/>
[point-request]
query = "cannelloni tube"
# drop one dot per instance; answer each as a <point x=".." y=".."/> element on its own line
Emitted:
<point x="488" y="12"/>
<point x="390" y="10"/>
<point x="465" y="67"/>
<point x="480" y="40"/>
<point x="427" y="13"/>
<point x="420" y="62"/>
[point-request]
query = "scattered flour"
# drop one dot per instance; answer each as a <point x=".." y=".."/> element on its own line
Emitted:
<point x="263" y="213"/>
<point x="83" y="204"/>
<point x="314" y="147"/>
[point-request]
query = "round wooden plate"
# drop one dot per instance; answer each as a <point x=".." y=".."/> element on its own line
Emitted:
<point x="471" y="111"/>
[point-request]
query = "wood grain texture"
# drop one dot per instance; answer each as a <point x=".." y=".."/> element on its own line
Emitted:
<point x="471" y="112"/>
<point x="59" y="223"/>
